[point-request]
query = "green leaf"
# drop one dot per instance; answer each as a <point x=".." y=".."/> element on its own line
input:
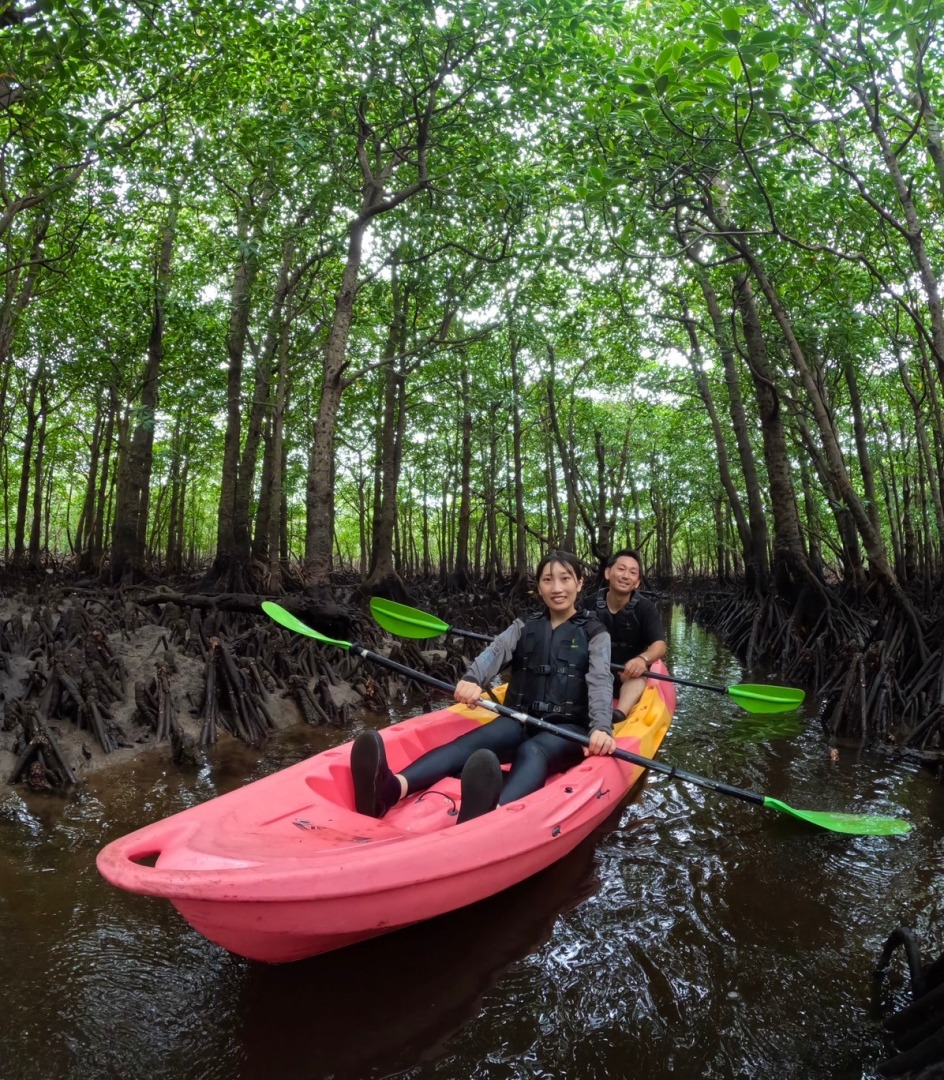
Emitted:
<point x="770" y="61"/>
<point x="737" y="68"/>
<point x="765" y="118"/>
<point x="766" y="37"/>
<point x="731" y="19"/>
<point x="733" y="36"/>
<point x="666" y="57"/>
<point x="714" y="30"/>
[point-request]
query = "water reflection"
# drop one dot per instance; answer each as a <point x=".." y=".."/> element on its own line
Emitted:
<point x="765" y="729"/>
<point x="388" y="1003"/>
<point x="693" y="936"/>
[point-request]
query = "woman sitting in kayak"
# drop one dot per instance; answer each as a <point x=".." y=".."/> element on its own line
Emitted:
<point x="560" y="671"/>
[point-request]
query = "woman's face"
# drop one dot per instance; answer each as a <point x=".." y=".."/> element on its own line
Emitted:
<point x="558" y="587"/>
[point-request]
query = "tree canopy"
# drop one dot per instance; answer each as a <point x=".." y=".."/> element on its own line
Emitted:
<point x="403" y="288"/>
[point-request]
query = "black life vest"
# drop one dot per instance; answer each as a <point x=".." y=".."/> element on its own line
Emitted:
<point x="549" y="667"/>
<point x="624" y="627"/>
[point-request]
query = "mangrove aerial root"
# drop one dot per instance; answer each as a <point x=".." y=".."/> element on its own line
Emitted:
<point x="878" y="669"/>
<point x="71" y="648"/>
<point x="40" y="759"/>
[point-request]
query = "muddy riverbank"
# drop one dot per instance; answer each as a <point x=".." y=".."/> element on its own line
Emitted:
<point x="90" y="678"/>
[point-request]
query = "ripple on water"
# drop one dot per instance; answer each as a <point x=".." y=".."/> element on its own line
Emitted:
<point x="696" y="936"/>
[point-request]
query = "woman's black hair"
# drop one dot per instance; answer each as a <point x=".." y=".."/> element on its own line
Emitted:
<point x="564" y="558"/>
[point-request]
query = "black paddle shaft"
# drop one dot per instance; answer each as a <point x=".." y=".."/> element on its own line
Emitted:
<point x="564" y="733"/>
<point x="470" y="634"/>
<point x="684" y="682"/>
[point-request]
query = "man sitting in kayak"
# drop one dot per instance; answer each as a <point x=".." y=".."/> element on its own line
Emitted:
<point x="560" y="671"/>
<point x="637" y="639"/>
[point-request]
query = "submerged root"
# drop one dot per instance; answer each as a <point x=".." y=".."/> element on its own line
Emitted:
<point x="916" y="1030"/>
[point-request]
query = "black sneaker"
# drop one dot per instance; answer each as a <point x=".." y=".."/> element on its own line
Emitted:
<point x="481" y="785"/>
<point x="371" y="774"/>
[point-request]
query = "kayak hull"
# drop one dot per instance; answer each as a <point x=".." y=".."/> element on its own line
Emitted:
<point x="284" y="868"/>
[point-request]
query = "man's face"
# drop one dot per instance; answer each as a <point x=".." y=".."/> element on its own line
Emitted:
<point x="623" y="575"/>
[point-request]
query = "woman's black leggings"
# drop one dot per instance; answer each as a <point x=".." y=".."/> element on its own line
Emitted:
<point x="532" y="756"/>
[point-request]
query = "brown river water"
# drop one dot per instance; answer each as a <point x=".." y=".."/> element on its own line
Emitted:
<point x="692" y="936"/>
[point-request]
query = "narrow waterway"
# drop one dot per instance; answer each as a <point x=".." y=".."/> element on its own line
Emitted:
<point x="693" y="935"/>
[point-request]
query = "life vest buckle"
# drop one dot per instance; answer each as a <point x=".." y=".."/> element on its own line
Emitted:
<point x="545" y="707"/>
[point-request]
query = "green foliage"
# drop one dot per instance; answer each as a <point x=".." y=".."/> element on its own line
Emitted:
<point x="588" y="161"/>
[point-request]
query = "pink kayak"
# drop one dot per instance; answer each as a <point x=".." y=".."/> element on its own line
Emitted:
<point x="285" y="868"/>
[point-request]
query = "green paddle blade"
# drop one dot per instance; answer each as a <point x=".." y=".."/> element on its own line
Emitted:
<point x="854" y="824"/>
<point x="285" y="618"/>
<point x="760" y="698"/>
<point x="405" y="621"/>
